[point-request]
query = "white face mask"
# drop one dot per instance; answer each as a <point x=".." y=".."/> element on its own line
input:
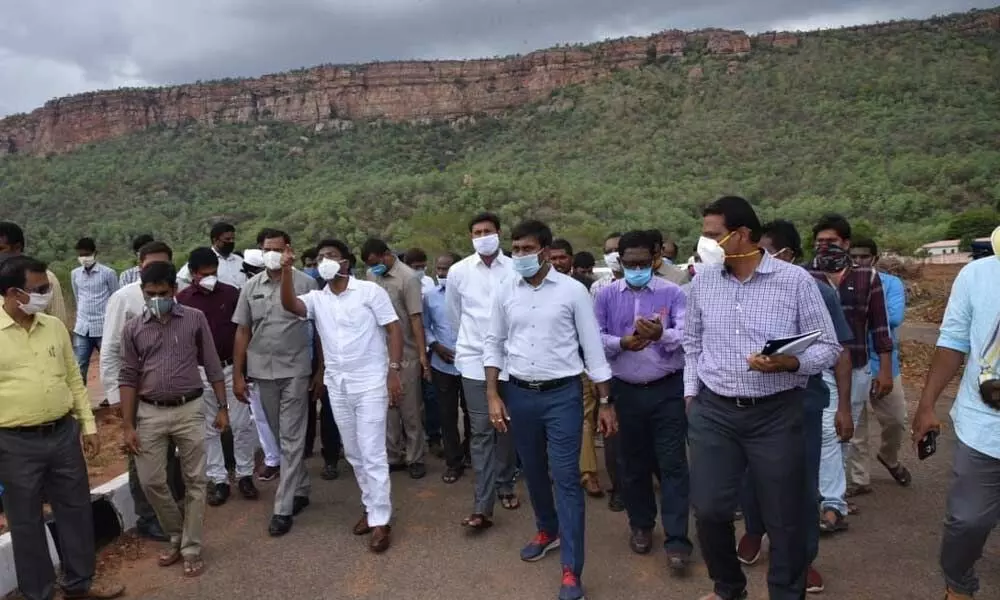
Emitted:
<point x="272" y="260"/>
<point x="329" y="269"/>
<point x="710" y="252"/>
<point x="613" y="262"/>
<point x="36" y="303"/>
<point x="86" y="261"/>
<point x="209" y="282"/>
<point x="487" y="245"/>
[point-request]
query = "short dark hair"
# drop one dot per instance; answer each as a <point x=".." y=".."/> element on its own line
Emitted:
<point x="141" y="240"/>
<point x="262" y="235"/>
<point x="736" y="212"/>
<point x="86" y="244"/>
<point x="311" y="253"/>
<point x="14" y="272"/>
<point x="155" y="248"/>
<point x="637" y="239"/>
<point x="586" y="280"/>
<point x="220" y="228"/>
<point x="562" y="244"/>
<point x="159" y="272"/>
<point x="784" y="235"/>
<point x="655" y="235"/>
<point x="12" y="232"/>
<point x="864" y="242"/>
<point x="484" y="216"/>
<point x="344" y="249"/>
<point x="835" y="222"/>
<point x="533" y="228"/>
<point x="584" y="260"/>
<point x="414" y="255"/>
<point x="373" y="246"/>
<point x="270" y="234"/>
<point x="202" y="257"/>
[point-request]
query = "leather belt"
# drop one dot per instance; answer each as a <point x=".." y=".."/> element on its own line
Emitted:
<point x="41" y="428"/>
<point x="743" y="402"/>
<point x="542" y="386"/>
<point x="175" y="401"/>
<point x="649" y="384"/>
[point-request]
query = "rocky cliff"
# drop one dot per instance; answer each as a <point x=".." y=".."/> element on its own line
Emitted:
<point x="399" y="91"/>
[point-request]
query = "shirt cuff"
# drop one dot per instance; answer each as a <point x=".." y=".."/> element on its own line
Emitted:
<point x="88" y="425"/>
<point x="952" y="343"/>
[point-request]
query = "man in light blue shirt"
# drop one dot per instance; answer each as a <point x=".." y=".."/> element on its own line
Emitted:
<point x="93" y="284"/>
<point x="442" y="336"/>
<point x="969" y="330"/>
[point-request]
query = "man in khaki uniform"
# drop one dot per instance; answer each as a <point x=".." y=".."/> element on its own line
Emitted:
<point x="405" y="438"/>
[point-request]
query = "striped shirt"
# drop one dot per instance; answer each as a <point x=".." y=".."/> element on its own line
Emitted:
<point x="728" y="320"/>
<point x="92" y="289"/>
<point x="160" y="359"/>
<point x="128" y="276"/>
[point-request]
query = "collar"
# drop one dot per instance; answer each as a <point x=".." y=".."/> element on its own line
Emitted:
<point x="394" y="270"/>
<point x="352" y="285"/>
<point x="621" y="285"/>
<point x="8" y="321"/>
<point x="767" y="264"/>
<point x="501" y="259"/>
<point x="232" y="255"/>
<point x="552" y="276"/>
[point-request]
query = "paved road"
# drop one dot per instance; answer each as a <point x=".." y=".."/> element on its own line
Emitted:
<point x="890" y="551"/>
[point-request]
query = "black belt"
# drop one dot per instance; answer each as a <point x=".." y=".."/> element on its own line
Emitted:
<point x="745" y="402"/>
<point x="41" y="428"/>
<point x="542" y="386"/>
<point x="650" y="384"/>
<point x="174" y="401"/>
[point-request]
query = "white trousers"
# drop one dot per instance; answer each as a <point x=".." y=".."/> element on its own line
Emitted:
<point x="361" y="419"/>
<point x="272" y="454"/>
<point x="244" y="441"/>
<point x="832" y="474"/>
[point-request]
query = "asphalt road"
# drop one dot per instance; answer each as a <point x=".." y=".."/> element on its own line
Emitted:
<point x="890" y="550"/>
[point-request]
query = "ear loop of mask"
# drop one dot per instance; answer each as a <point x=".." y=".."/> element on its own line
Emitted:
<point x="727" y="255"/>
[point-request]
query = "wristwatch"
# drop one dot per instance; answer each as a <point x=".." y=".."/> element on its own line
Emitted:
<point x="604" y="401"/>
<point x="395" y="366"/>
<point x="222" y="406"/>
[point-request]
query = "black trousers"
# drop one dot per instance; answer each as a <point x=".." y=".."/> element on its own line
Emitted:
<point x="328" y="432"/>
<point x="450" y="396"/>
<point x="49" y="464"/>
<point x="768" y="438"/>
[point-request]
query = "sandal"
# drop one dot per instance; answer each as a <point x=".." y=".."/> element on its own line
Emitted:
<point x="853" y="509"/>
<point x="193" y="566"/>
<point x="858" y="490"/>
<point x="828" y="526"/>
<point x="451" y="475"/>
<point x="900" y="473"/>
<point x="169" y="557"/>
<point x="509" y="501"/>
<point x="477" y="521"/>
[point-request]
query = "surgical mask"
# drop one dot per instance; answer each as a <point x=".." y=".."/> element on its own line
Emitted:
<point x="208" y="283"/>
<point x="159" y="306"/>
<point x="329" y="269"/>
<point x="36" y="303"/>
<point x="86" y="261"/>
<point x="272" y="260"/>
<point x="613" y="262"/>
<point x="487" y="245"/>
<point x="527" y="266"/>
<point x="378" y="270"/>
<point x="227" y="249"/>
<point x="638" y="277"/>
<point x="710" y="252"/>
<point x="312" y="272"/>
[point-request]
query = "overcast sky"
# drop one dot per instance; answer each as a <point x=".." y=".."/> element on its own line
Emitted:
<point x="51" y="48"/>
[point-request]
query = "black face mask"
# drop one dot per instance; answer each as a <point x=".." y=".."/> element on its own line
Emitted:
<point x="227" y="249"/>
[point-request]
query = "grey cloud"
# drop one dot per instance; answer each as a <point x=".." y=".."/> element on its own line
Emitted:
<point x="69" y="47"/>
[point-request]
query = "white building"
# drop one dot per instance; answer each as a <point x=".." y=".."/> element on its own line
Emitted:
<point x="941" y="248"/>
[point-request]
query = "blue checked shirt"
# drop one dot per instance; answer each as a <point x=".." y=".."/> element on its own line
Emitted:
<point x="728" y="320"/>
<point x="92" y="289"/>
<point x="438" y="327"/>
<point x="128" y="276"/>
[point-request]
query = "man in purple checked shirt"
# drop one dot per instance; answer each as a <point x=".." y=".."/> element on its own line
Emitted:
<point x="642" y="326"/>
<point x="746" y="409"/>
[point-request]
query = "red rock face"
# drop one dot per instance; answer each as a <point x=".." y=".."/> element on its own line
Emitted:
<point x="397" y="91"/>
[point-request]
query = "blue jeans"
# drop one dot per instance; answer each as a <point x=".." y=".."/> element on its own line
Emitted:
<point x="83" y="349"/>
<point x="817" y="397"/>
<point x="653" y="432"/>
<point x="832" y="476"/>
<point x="548" y="431"/>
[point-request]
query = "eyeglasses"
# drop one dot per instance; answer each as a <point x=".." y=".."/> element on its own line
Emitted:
<point x="42" y="289"/>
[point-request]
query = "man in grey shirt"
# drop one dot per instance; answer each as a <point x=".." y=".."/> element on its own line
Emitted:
<point x="273" y="348"/>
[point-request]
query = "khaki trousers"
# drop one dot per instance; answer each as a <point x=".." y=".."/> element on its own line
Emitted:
<point x="588" y="450"/>
<point x="405" y="424"/>
<point x="185" y="426"/>
<point x="891" y="414"/>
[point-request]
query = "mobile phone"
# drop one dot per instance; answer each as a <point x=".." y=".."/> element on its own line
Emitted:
<point x="927" y="445"/>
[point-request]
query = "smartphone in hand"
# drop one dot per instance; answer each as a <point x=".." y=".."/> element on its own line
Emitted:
<point x="927" y="445"/>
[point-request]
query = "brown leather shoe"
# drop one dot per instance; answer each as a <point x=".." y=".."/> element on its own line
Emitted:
<point x="953" y="595"/>
<point x="97" y="591"/>
<point x="380" y="539"/>
<point x="592" y="485"/>
<point x="362" y="527"/>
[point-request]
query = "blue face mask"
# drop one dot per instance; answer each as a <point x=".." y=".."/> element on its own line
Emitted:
<point x="312" y="272"/>
<point x="378" y="270"/>
<point x="526" y="266"/>
<point x="638" y="277"/>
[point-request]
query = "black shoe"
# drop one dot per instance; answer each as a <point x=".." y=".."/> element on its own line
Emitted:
<point x="151" y="530"/>
<point x="615" y="503"/>
<point x="280" y="525"/>
<point x="417" y="471"/>
<point x="396" y="467"/>
<point x="641" y="540"/>
<point x="247" y="488"/>
<point x="218" y="494"/>
<point x="299" y="504"/>
<point x="467" y="461"/>
<point x="329" y="472"/>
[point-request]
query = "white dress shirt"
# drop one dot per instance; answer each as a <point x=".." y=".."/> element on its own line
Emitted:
<point x="124" y="304"/>
<point x="350" y="326"/>
<point x="469" y="295"/>
<point x="427" y="284"/>
<point x="536" y="333"/>
<point x="230" y="271"/>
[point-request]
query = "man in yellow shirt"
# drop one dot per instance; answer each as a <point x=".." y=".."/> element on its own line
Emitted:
<point x="44" y="406"/>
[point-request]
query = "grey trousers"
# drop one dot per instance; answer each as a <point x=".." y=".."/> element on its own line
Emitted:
<point x="286" y="406"/>
<point x="493" y="456"/>
<point x="405" y="441"/>
<point x="973" y="511"/>
<point x="49" y="463"/>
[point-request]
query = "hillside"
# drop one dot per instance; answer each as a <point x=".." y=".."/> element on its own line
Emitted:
<point x="895" y="125"/>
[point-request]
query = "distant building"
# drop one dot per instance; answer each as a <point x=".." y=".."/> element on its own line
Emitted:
<point x="941" y="248"/>
<point x="948" y="251"/>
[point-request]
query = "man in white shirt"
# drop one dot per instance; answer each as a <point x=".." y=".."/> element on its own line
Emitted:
<point x="223" y="237"/>
<point x="469" y="296"/>
<point x="360" y="373"/>
<point x="124" y="304"/>
<point x="540" y="323"/>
